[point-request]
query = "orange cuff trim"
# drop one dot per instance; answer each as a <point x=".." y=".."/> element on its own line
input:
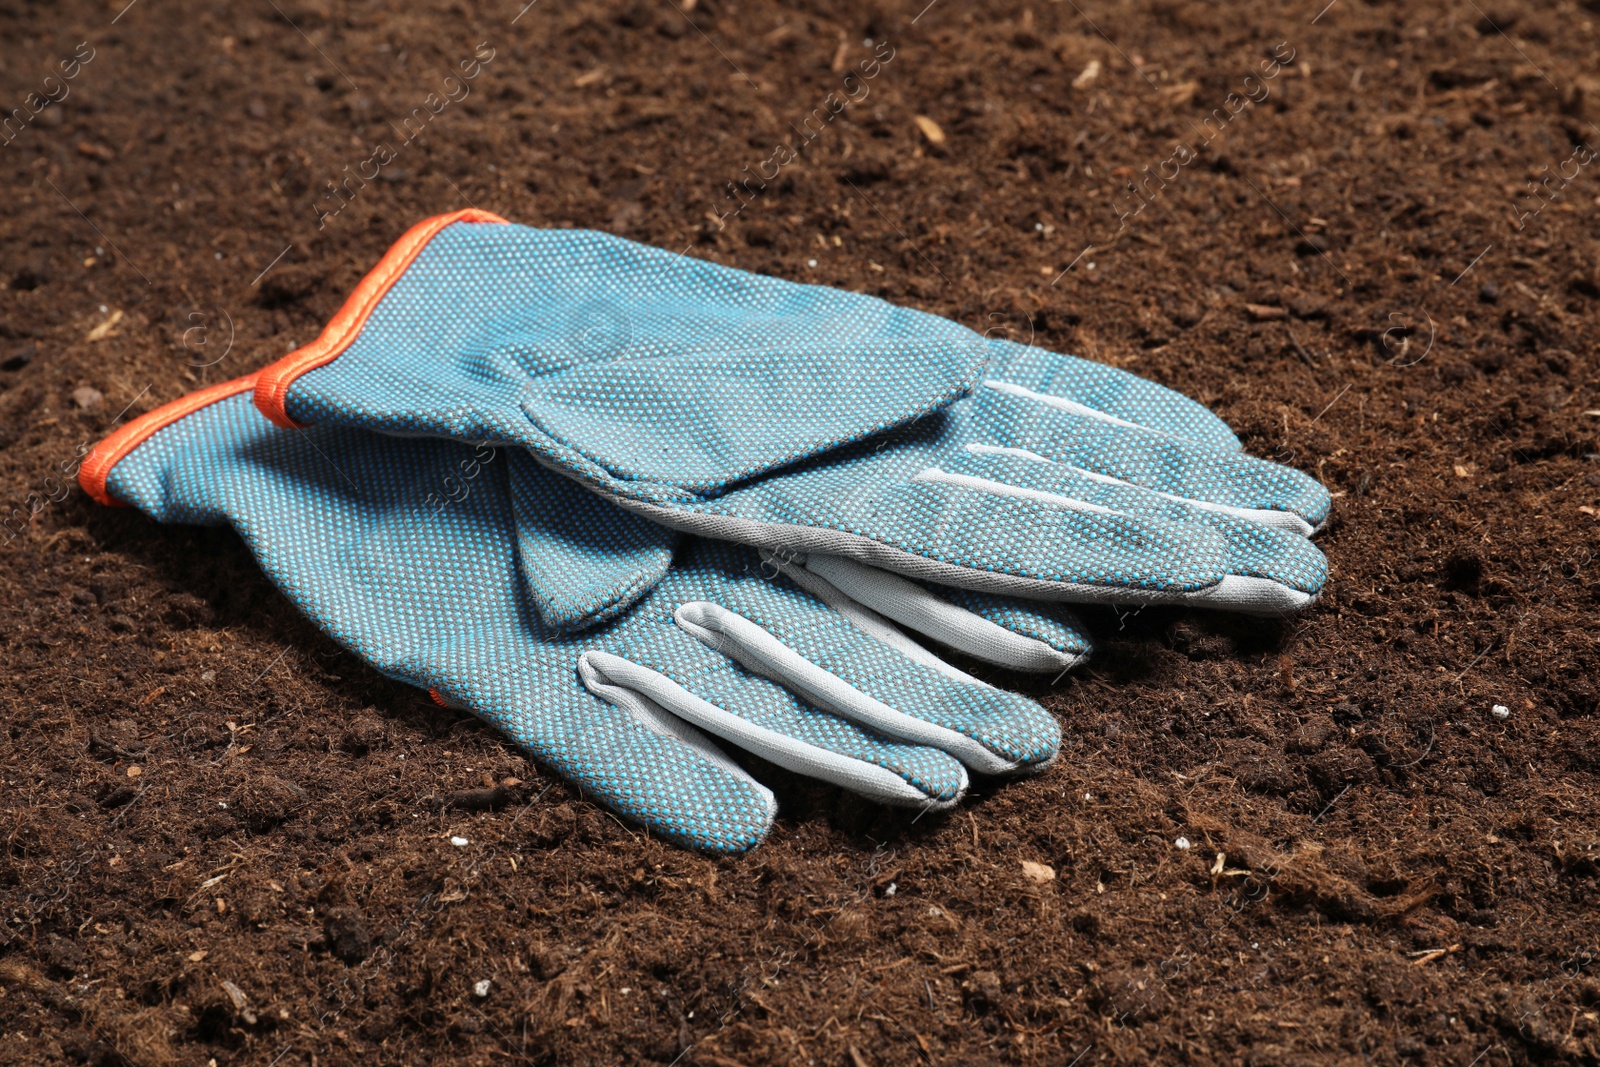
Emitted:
<point x="272" y="385"/>
<point x="96" y="466"/>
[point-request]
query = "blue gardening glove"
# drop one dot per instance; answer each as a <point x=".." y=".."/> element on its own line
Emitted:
<point x="760" y="411"/>
<point x="426" y="589"/>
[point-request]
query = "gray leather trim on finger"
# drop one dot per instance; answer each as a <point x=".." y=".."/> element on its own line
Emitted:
<point x="866" y="779"/>
<point x="864" y="618"/>
<point x="663" y="723"/>
<point x="926" y="613"/>
<point x="738" y="638"/>
<point x="1252" y="596"/>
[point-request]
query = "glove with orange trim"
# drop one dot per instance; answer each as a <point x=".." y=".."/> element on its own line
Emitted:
<point x="818" y="424"/>
<point x="407" y="553"/>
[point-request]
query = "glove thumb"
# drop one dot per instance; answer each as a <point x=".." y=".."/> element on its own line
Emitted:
<point x="583" y="560"/>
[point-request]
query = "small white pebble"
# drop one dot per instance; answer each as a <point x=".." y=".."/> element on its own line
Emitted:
<point x="460" y="842"/>
<point x="625" y="990"/>
<point x="934" y="913"/>
<point x="1088" y="796"/>
<point x="891" y="890"/>
<point x="811" y="263"/>
<point x="1500" y="711"/>
<point x="482" y="988"/>
<point x="209" y="676"/>
<point x="1182" y="842"/>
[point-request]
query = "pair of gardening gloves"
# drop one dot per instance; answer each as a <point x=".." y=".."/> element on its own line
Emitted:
<point x="638" y="510"/>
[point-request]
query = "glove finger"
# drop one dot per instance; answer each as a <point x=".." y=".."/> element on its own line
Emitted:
<point x="977" y="727"/>
<point x="1019" y="634"/>
<point x="1107" y="393"/>
<point x="705" y="688"/>
<point x="583" y="560"/>
<point x="780" y="631"/>
<point x="1267" y="569"/>
<point x="1237" y="484"/>
<point x="1052" y="625"/>
<point x="955" y="531"/>
<point x="1271" y="571"/>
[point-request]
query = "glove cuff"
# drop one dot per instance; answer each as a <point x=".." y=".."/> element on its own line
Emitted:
<point x="97" y="465"/>
<point x="274" y="380"/>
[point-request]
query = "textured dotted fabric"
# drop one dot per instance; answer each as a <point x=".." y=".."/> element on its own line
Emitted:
<point x="1250" y="549"/>
<point x="976" y="532"/>
<point x="1107" y="389"/>
<point x="760" y="411"/>
<point x="583" y="559"/>
<point x="659" y="368"/>
<point x="405" y="551"/>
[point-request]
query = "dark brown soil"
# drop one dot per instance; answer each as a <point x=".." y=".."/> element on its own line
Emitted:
<point x="227" y="841"/>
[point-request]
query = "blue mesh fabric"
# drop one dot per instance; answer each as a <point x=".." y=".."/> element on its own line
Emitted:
<point x="583" y="559"/>
<point x="775" y="414"/>
<point x="1110" y="390"/>
<point x="427" y="589"/>
<point x="661" y="368"/>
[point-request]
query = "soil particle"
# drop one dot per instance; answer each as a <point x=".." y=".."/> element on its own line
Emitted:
<point x="346" y="932"/>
